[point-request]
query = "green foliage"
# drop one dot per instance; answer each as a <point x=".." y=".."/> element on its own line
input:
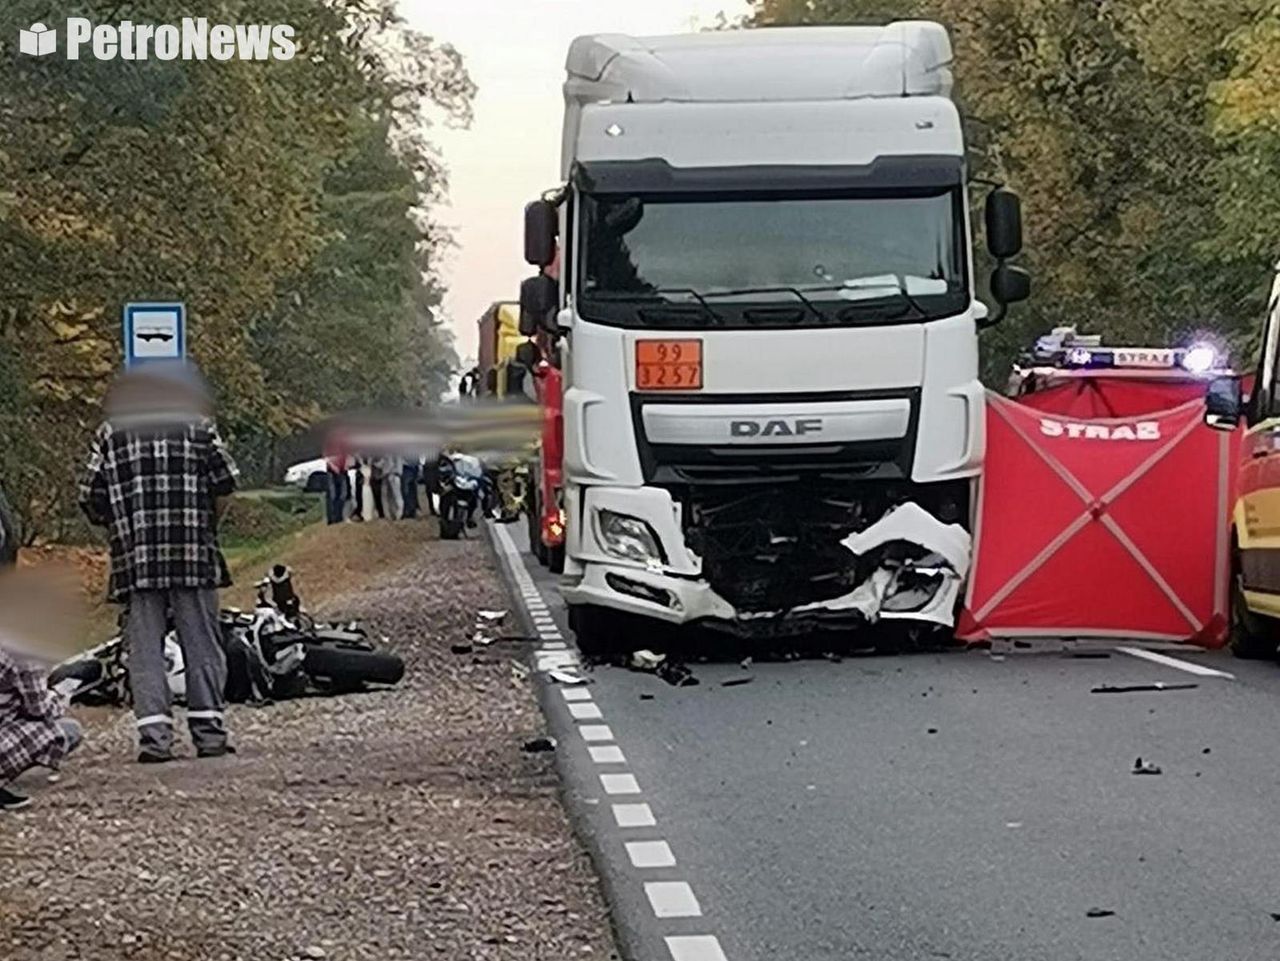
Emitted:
<point x="284" y="202"/>
<point x="1142" y="136"/>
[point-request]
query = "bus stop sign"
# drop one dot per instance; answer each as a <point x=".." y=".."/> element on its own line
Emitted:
<point x="154" y="332"/>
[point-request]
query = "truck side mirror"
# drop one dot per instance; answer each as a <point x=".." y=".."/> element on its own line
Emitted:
<point x="1223" y="403"/>
<point x="541" y="225"/>
<point x="1004" y="223"/>
<point x="1010" y="285"/>
<point x="539" y="297"/>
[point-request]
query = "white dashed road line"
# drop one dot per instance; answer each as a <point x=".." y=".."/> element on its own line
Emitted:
<point x="1198" y="669"/>
<point x="607" y="754"/>
<point x="672" y="899"/>
<point x="698" y="947"/>
<point x="668" y="899"/>
<point x="634" y="816"/>
<point x="650" y="854"/>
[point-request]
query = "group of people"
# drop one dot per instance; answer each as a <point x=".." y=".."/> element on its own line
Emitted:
<point x="365" y="488"/>
<point x="157" y="475"/>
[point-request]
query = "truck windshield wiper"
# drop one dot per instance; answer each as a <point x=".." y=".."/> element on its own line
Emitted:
<point x="794" y="291"/>
<point x="658" y="295"/>
<point x="909" y="303"/>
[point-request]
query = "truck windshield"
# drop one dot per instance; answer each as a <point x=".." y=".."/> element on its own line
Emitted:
<point x="688" y="261"/>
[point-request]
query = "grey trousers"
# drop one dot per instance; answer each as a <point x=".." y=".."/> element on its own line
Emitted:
<point x="195" y="616"/>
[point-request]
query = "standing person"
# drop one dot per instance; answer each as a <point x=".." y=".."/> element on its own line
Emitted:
<point x="357" y="506"/>
<point x="338" y="491"/>
<point x="157" y="469"/>
<point x="377" y="473"/>
<point x="392" y="491"/>
<point x="431" y="483"/>
<point x="33" y="731"/>
<point x="409" y="486"/>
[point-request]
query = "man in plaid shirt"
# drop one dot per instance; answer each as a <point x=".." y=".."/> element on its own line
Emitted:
<point x="156" y="470"/>
<point x="33" y="732"/>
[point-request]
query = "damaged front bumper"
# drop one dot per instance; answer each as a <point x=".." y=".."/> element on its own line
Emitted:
<point x="917" y="565"/>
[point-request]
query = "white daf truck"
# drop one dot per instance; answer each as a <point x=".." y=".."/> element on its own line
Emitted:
<point x="767" y="323"/>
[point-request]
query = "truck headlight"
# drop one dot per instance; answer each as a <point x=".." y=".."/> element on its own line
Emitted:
<point x="628" y="537"/>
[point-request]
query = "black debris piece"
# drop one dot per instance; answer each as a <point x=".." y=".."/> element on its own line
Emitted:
<point x="1100" y="913"/>
<point x="1141" y="688"/>
<point x="462" y="648"/>
<point x="646" y="697"/>
<point x="1090" y="655"/>
<point x="1275" y="916"/>
<point x="1148" y="767"/>
<point x="736" y="681"/>
<point x="539" y="745"/>
<point x="933" y="730"/>
<point x="677" y="675"/>
<point x="1207" y="751"/>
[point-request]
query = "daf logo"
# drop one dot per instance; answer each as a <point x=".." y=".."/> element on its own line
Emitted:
<point x="776" y="428"/>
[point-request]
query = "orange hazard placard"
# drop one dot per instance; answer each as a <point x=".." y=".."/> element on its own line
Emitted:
<point x="669" y="365"/>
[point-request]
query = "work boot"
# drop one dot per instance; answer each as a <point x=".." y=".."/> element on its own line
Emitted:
<point x="11" y="801"/>
<point x="220" y="750"/>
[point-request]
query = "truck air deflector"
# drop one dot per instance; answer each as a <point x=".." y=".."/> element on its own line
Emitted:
<point x="927" y="172"/>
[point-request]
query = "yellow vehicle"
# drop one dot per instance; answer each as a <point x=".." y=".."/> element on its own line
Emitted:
<point x="503" y="377"/>
<point x="1255" y="517"/>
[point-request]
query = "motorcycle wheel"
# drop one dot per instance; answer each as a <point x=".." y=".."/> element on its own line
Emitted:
<point x="350" y="669"/>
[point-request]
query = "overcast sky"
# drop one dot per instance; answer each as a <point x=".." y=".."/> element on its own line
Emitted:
<point x="515" y="51"/>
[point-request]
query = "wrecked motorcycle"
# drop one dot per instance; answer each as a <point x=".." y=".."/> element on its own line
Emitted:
<point x="276" y="652"/>
<point x="462" y="493"/>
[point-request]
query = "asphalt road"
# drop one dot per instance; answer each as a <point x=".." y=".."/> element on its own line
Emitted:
<point x="938" y="806"/>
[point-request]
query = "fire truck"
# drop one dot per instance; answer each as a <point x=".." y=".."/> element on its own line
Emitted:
<point x="545" y="509"/>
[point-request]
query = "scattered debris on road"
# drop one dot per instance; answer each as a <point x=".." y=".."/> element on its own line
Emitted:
<point x="570" y="677"/>
<point x="646" y="661"/>
<point x="736" y="681"/>
<point x="646" y="697"/>
<point x="1141" y="688"/>
<point x="1100" y="913"/>
<point x="1148" y="767"/>
<point x="539" y="745"/>
<point x="461" y="649"/>
<point x="492" y="617"/>
<point x="677" y="675"/>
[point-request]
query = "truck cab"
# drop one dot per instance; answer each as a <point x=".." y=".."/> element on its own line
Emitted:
<point x="766" y="315"/>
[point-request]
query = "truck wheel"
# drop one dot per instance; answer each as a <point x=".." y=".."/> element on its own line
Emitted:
<point x="1253" y="636"/>
<point x="536" y="547"/>
<point x="555" y="559"/>
<point x="600" y="632"/>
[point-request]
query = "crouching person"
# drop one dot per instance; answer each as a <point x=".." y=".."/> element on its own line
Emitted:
<point x="157" y="469"/>
<point x="33" y="731"/>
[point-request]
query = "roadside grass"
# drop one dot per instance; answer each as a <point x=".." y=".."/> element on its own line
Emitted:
<point x="258" y="530"/>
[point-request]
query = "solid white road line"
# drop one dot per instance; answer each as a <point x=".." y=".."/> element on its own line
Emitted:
<point x="596" y="732"/>
<point x="698" y="947"/>
<point x="634" y="816"/>
<point x="575" y="693"/>
<point x="672" y="899"/>
<point x="608" y="754"/>
<point x="650" y="854"/>
<point x="619" y="784"/>
<point x="586" y="712"/>
<point x="1188" y="666"/>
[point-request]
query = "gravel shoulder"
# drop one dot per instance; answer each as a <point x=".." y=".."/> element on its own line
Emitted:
<point x="397" y="825"/>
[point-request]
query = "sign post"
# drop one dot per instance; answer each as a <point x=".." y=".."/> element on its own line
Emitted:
<point x="154" y="332"/>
